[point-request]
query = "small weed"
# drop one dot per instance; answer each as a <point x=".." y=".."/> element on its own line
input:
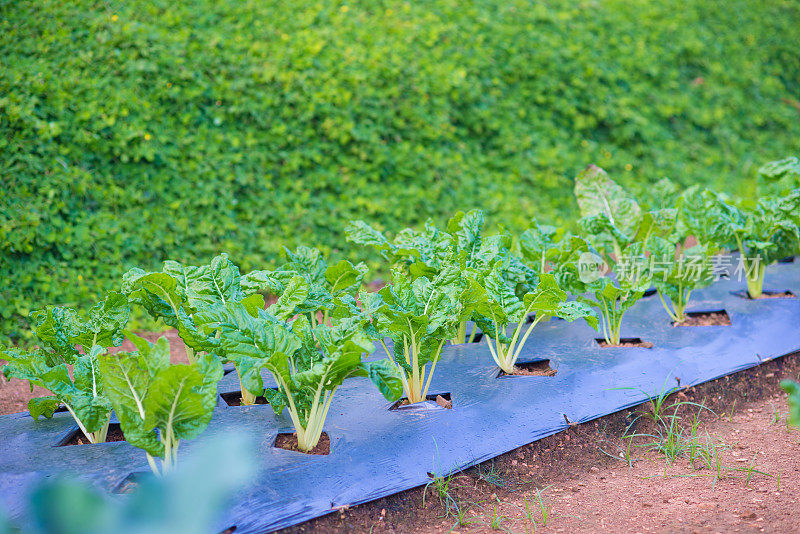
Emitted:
<point x="543" y="509"/>
<point x="492" y="475"/>
<point x="497" y="520"/>
<point x="441" y="486"/>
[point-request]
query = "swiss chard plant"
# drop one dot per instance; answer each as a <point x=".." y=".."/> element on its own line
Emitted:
<point x="419" y="316"/>
<point x="178" y="292"/>
<point x="502" y="307"/>
<point x="430" y="252"/>
<point x="763" y="233"/>
<point x="158" y="404"/>
<point x="619" y="229"/>
<point x="327" y="283"/>
<point x="309" y="363"/>
<point x="680" y="262"/>
<point x="70" y="340"/>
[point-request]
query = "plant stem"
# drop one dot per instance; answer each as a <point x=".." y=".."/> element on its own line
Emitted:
<point x="755" y="281"/>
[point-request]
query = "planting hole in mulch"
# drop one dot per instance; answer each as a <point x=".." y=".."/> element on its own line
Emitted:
<point x="442" y="400"/>
<point x="132" y="481"/>
<point x="788" y="259"/>
<point x="650" y="292"/>
<point x="76" y="437"/>
<point x="706" y="318"/>
<point x="537" y="368"/>
<point x="288" y="441"/>
<point x="234" y="398"/>
<point x="476" y="339"/>
<point x="766" y="294"/>
<point x="626" y="342"/>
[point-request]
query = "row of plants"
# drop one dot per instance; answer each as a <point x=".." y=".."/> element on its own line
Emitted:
<point x="310" y="323"/>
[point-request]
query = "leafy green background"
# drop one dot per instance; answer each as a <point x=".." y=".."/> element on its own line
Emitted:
<point x="138" y="131"/>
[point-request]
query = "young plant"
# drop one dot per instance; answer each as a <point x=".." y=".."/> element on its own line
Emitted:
<point x="327" y="283"/>
<point x="763" y="233"/>
<point x="308" y="363"/>
<point x="179" y="292"/>
<point x="61" y="331"/>
<point x="419" y="317"/>
<point x="677" y="272"/>
<point x="502" y="307"/>
<point x="159" y="404"/>
<point x="619" y="229"/>
<point x="430" y="252"/>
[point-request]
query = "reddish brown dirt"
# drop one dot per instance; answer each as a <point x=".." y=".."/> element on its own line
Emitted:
<point x="626" y="343"/>
<point x="719" y="318"/>
<point x="289" y="442"/>
<point x="14" y="394"/>
<point x="540" y="368"/>
<point x="767" y="295"/>
<point x="586" y="487"/>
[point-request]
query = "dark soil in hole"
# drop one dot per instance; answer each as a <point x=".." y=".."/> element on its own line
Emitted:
<point x="788" y="259"/>
<point x="711" y="318"/>
<point x="442" y="399"/>
<point x="627" y="342"/>
<point x="77" y="437"/>
<point x="650" y="292"/>
<point x="234" y="398"/>
<point x="289" y="442"/>
<point x="766" y="295"/>
<point x="538" y="368"/>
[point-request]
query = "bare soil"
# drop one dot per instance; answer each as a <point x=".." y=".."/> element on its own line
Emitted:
<point x="714" y="318"/>
<point x="114" y="434"/>
<point x="581" y="478"/>
<point x="766" y="294"/>
<point x="627" y="342"/>
<point x="289" y="442"/>
<point x="442" y="400"/>
<point x="540" y="368"/>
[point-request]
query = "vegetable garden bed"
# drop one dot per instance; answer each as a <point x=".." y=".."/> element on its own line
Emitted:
<point x="375" y="451"/>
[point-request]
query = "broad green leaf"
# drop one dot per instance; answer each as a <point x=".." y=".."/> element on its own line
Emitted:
<point x="597" y="194"/>
<point x="43" y="406"/>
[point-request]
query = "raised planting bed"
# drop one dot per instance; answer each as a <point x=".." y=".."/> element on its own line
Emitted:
<point x="375" y="451"/>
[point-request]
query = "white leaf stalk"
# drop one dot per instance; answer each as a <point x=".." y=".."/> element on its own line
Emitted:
<point x="505" y="355"/>
<point x="416" y="383"/>
<point x="308" y="436"/>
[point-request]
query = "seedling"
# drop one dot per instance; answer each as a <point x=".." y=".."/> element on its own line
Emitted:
<point x="419" y="317"/>
<point x="501" y="307"/>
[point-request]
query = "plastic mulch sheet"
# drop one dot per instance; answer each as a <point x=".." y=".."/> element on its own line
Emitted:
<point x="376" y="451"/>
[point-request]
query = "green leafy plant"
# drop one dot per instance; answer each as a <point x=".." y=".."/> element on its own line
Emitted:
<point x="619" y="229"/>
<point x="430" y="252"/>
<point x="763" y="232"/>
<point x="178" y="292"/>
<point x="793" y="389"/>
<point x="502" y="307"/>
<point x="779" y="177"/>
<point x="61" y="331"/>
<point x="159" y="405"/>
<point x="327" y="283"/>
<point x="419" y="316"/>
<point x="308" y="362"/>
